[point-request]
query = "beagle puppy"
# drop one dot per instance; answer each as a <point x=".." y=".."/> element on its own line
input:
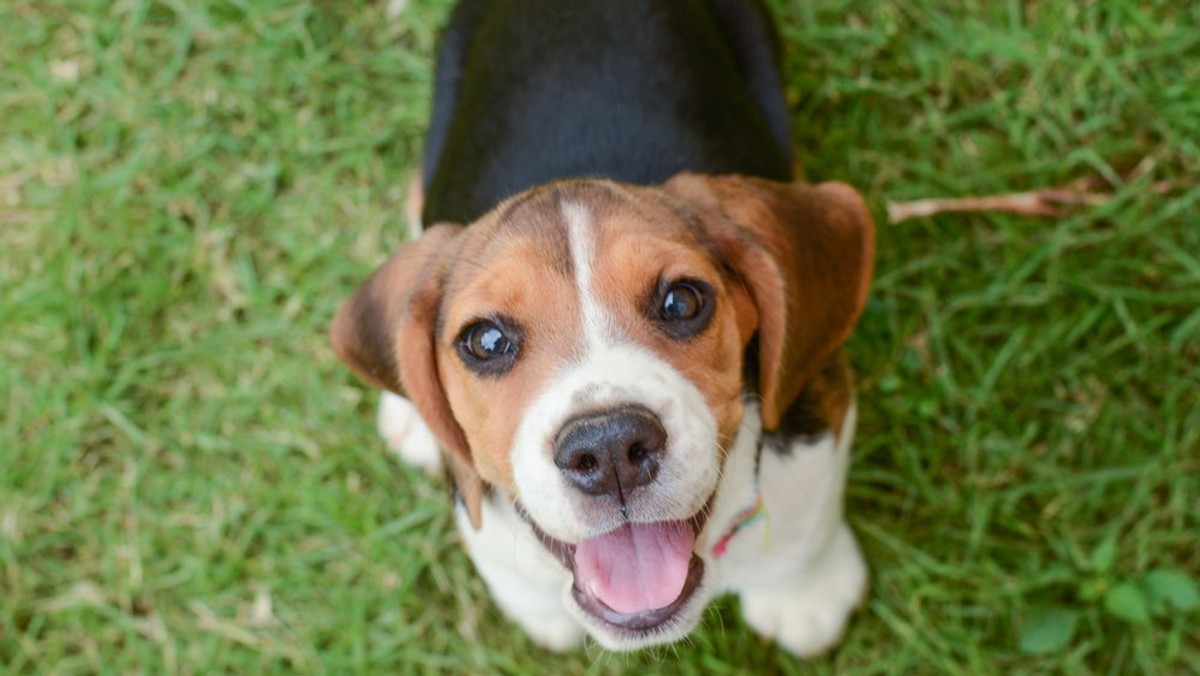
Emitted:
<point x="622" y="326"/>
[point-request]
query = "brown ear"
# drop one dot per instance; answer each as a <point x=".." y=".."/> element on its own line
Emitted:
<point x="805" y="253"/>
<point x="385" y="332"/>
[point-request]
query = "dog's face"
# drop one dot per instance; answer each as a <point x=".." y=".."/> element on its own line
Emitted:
<point x="580" y="349"/>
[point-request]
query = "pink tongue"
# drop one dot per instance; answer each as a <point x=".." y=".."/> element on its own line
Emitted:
<point x="637" y="567"/>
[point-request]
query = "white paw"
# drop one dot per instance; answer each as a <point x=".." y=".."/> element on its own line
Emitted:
<point x="807" y="613"/>
<point x="407" y="435"/>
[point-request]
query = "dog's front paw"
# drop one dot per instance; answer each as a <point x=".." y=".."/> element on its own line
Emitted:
<point x="407" y="435"/>
<point x="807" y="613"/>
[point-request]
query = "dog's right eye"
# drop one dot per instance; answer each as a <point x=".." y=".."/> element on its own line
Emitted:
<point x="489" y="346"/>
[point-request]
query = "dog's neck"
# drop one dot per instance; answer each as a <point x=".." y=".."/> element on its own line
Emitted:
<point x="772" y="506"/>
<point x="738" y="500"/>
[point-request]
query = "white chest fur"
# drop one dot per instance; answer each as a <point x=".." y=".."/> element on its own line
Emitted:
<point x="796" y="568"/>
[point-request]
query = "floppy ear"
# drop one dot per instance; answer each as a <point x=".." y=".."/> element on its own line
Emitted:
<point x="805" y="253"/>
<point x="386" y="331"/>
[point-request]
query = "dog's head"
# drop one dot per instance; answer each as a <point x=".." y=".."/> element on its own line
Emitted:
<point x="581" y="349"/>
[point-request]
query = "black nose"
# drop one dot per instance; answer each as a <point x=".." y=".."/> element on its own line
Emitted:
<point x="610" y="452"/>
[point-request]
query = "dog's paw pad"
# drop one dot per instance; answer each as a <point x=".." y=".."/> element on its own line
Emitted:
<point x="407" y="435"/>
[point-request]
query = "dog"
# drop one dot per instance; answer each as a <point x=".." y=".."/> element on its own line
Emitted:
<point x="623" y="324"/>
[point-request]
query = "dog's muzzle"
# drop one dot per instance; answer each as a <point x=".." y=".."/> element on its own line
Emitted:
<point x="638" y="576"/>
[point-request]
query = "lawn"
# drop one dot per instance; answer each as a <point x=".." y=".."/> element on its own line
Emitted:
<point x="190" y="481"/>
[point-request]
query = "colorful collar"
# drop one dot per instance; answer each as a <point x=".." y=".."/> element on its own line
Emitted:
<point x="744" y="518"/>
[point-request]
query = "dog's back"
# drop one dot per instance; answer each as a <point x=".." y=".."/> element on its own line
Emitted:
<point x="696" y="87"/>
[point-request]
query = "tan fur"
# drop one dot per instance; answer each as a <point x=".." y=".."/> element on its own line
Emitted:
<point x="829" y="392"/>
<point x="414" y="204"/>
<point x="385" y="332"/>
<point x="789" y="263"/>
<point x="645" y="244"/>
<point x="509" y="277"/>
<point x="806" y="253"/>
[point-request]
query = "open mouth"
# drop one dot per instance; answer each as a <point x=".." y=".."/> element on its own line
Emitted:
<point x="636" y="577"/>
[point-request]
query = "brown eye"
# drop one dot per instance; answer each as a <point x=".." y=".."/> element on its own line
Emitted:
<point x="682" y="308"/>
<point x="488" y="347"/>
<point x="682" y="301"/>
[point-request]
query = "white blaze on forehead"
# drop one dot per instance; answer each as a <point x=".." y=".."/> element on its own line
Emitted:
<point x="582" y="236"/>
<point x="611" y="370"/>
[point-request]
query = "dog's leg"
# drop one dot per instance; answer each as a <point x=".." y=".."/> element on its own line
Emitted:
<point x="407" y="435"/>
<point x="807" y="611"/>
<point x="812" y="576"/>
<point x="525" y="582"/>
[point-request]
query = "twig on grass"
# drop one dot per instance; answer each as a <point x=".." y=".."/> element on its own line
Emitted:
<point x="1050" y="202"/>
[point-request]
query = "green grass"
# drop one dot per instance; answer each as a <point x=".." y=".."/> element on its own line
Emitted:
<point x="191" y="483"/>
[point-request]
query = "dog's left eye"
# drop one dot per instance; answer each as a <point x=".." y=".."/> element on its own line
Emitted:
<point x="488" y="347"/>
<point x="682" y="302"/>
<point x="683" y="308"/>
